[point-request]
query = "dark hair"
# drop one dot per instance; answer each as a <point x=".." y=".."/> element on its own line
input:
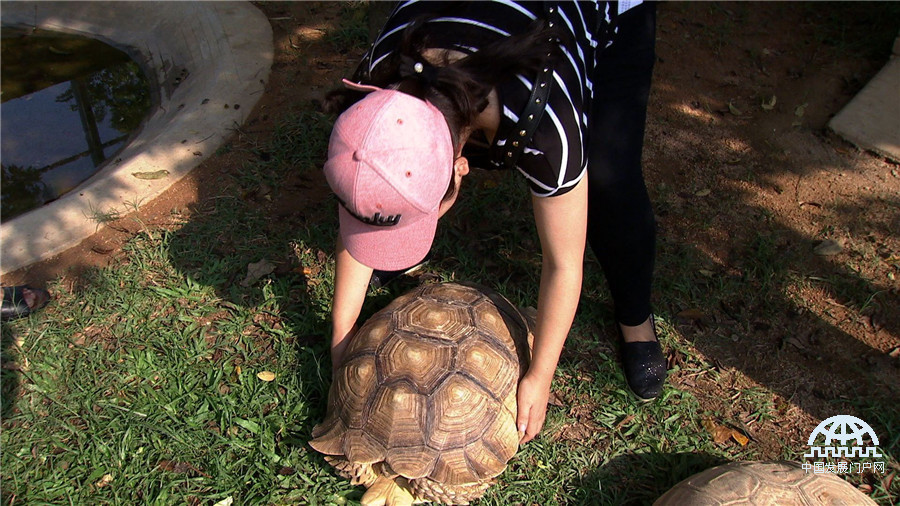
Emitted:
<point x="458" y="89"/>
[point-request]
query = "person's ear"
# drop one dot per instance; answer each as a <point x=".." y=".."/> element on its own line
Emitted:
<point x="461" y="166"/>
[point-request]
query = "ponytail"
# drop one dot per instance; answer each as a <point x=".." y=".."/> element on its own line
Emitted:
<point x="458" y="89"/>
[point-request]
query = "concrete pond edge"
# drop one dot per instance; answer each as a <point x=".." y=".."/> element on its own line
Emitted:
<point x="209" y="61"/>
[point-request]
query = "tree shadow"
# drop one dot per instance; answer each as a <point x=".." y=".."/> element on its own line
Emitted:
<point x="277" y="207"/>
<point x="737" y="274"/>
<point x="9" y="371"/>
<point x="640" y="478"/>
<point x="729" y="256"/>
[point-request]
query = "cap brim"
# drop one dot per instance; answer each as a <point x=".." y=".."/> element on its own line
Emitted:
<point x="367" y="88"/>
<point x="387" y="248"/>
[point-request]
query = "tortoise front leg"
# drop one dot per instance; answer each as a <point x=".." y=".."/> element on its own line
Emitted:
<point x="390" y="492"/>
<point x="358" y="474"/>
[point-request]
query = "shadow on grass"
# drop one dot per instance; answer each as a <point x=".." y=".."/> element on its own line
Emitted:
<point x="757" y="297"/>
<point x="9" y="374"/>
<point x="279" y="209"/>
<point x="752" y="318"/>
<point x="641" y="478"/>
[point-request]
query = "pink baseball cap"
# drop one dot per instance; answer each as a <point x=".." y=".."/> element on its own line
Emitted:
<point x="390" y="160"/>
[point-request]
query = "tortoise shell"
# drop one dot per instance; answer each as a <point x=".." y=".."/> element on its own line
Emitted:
<point x="426" y="395"/>
<point x="762" y="483"/>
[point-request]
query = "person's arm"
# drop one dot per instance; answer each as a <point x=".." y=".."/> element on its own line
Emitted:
<point x="561" y="223"/>
<point x="351" y="281"/>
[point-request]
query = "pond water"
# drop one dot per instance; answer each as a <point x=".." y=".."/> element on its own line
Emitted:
<point x="68" y="104"/>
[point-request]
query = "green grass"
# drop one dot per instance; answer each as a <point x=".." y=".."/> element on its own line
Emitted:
<point x="353" y="32"/>
<point x="863" y="28"/>
<point x="103" y="217"/>
<point x="138" y="384"/>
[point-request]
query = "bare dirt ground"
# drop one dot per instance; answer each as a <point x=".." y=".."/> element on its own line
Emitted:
<point x="744" y="175"/>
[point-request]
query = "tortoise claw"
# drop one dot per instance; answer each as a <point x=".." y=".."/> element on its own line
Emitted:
<point x="388" y="492"/>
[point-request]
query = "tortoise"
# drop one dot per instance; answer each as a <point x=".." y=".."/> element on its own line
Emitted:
<point x="780" y="483"/>
<point x="423" y="406"/>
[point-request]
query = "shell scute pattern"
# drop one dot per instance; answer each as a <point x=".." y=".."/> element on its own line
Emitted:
<point x="423" y="363"/>
<point x="492" y="322"/>
<point x="486" y="366"/>
<point x="355" y="389"/>
<point x="362" y="448"/>
<point x="412" y="461"/>
<point x="484" y="459"/>
<point x="754" y="483"/>
<point x="396" y="416"/>
<point x="453" y="467"/>
<point x="377" y="329"/>
<point x="427" y="394"/>
<point x="460" y="412"/>
<point x="431" y="318"/>
<point x="451" y="293"/>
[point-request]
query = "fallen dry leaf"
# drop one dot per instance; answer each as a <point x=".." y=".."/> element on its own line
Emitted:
<point x="156" y="174"/>
<point x="721" y="433"/>
<point x="740" y="438"/>
<point x="266" y="376"/>
<point x="257" y="270"/>
<point x="104" y="481"/>
<point x="624" y="421"/>
<point x="179" y="467"/>
<point x="828" y="247"/>
<point x="692" y="315"/>
<point x="10" y="366"/>
<point x="555" y="400"/>
<point x="795" y="342"/>
<point x="888" y="481"/>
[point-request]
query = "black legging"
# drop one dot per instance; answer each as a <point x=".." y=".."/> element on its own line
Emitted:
<point x="621" y="224"/>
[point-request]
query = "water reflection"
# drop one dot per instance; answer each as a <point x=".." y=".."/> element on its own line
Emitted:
<point x="68" y="104"/>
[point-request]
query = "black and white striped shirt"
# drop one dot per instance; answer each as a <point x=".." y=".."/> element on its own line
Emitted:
<point x="556" y="158"/>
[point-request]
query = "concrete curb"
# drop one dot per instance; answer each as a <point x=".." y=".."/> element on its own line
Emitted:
<point x="871" y="120"/>
<point x="210" y="61"/>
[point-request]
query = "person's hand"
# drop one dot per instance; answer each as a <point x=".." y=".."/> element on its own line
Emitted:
<point x="339" y="343"/>
<point x="532" y="397"/>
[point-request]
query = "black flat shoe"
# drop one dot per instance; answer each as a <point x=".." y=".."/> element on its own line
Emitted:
<point x="645" y="366"/>
<point x="382" y="278"/>
<point x="14" y="305"/>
